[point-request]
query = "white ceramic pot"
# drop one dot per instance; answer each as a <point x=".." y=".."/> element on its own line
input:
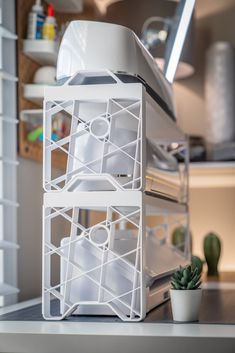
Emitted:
<point x="185" y="304"/>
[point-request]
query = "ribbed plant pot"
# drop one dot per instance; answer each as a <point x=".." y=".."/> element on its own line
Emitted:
<point x="186" y="304"/>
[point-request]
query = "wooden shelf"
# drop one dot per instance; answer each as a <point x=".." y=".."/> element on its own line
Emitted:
<point x="33" y="150"/>
<point x="32" y="54"/>
<point x="43" y="52"/>
<point x="212" y="175"/>
<point x="68" y="6"/>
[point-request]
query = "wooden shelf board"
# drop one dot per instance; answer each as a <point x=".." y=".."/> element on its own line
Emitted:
<point x="212" y="175"/>
<point x="33" y="151"/>
<point x="70" y="6"/>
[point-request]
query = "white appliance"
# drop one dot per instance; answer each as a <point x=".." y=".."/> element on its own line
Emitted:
<point x="126" y="160"/>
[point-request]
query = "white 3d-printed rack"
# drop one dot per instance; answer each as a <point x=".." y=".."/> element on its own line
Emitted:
<point x="118" y="260"/>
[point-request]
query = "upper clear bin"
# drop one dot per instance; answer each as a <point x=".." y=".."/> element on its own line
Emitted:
<point x="111" y="133"/>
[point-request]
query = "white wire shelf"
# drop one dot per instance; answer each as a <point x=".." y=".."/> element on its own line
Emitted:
<point x="5" y="33"/>
<point x="8" y="119"/>
<point x="44" y="52"/>
<point x="6" y="289"/>
<point x="8" y="155"/>
<point x="8" y="77"/>
<point x="6" y="202"/>
<point x="5" y="245"/>
<point x="9" y="161"/>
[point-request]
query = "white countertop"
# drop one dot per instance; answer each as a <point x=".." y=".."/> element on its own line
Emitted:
<point x="97" y="337"/>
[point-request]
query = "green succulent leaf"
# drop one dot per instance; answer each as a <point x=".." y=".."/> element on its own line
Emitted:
<point x="198" y="285"/>
<point x="175" y="285"/>
<point x="195" y="272"/>
<point x="196" y="278"/>
<point x="186" y="277"/>
<point x="186" y="274"/>
<point x="191" y="285"/>
<point x="176" y="276"/>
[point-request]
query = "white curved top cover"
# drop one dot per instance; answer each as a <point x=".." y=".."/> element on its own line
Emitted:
<point x="95" y="46"/>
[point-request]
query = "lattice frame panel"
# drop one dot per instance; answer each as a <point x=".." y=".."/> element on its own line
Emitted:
<point x="111" y="274"/>
<point x="102" y="138"/>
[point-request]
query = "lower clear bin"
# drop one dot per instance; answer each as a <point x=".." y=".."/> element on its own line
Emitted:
<point x="106" y="259"/>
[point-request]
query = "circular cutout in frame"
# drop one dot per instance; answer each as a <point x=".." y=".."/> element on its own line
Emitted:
<point x="99" y="235"/>
<point x="100" y="127"/>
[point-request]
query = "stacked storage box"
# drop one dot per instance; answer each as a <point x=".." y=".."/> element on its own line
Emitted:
<point x="122" y="192"/>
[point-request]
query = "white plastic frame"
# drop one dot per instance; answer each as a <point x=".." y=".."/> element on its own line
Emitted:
<point x="152" y="122"/>
<point x="69" y="98"/>
<point x="85" y="187"/>
<point x="127" y="309"/>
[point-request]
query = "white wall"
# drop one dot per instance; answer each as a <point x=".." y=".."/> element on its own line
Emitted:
<point x="30" y="196"/>
<point x="29" y="228"/>
<point x="212" y="209"/>
<point x="214" y="22"/>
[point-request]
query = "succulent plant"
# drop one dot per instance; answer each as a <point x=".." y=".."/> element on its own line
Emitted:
<point x="186" y="278"/>
<point x="212" y="250"/>
<point x="197" y="262"/>
<point x="179" y="236"/>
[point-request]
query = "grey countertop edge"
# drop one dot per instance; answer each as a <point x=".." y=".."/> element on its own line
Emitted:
<point x="110" y="329"/>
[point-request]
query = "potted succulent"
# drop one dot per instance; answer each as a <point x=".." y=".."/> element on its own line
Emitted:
<point x="186" y="294"/>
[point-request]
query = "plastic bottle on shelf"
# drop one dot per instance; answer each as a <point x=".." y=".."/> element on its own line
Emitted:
<point x="49" y="26"/>
<point x="35" y="21"/>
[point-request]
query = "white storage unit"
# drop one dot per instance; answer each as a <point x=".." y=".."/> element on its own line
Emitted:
<point x="106" y="136"/>
<point x="127" y="160"/>
<point x="116" y="266"/>
<point x="123" y="152"/>
<point x="8" y="155"/>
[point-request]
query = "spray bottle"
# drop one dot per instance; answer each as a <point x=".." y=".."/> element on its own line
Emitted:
<point x="35" y="21"/>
